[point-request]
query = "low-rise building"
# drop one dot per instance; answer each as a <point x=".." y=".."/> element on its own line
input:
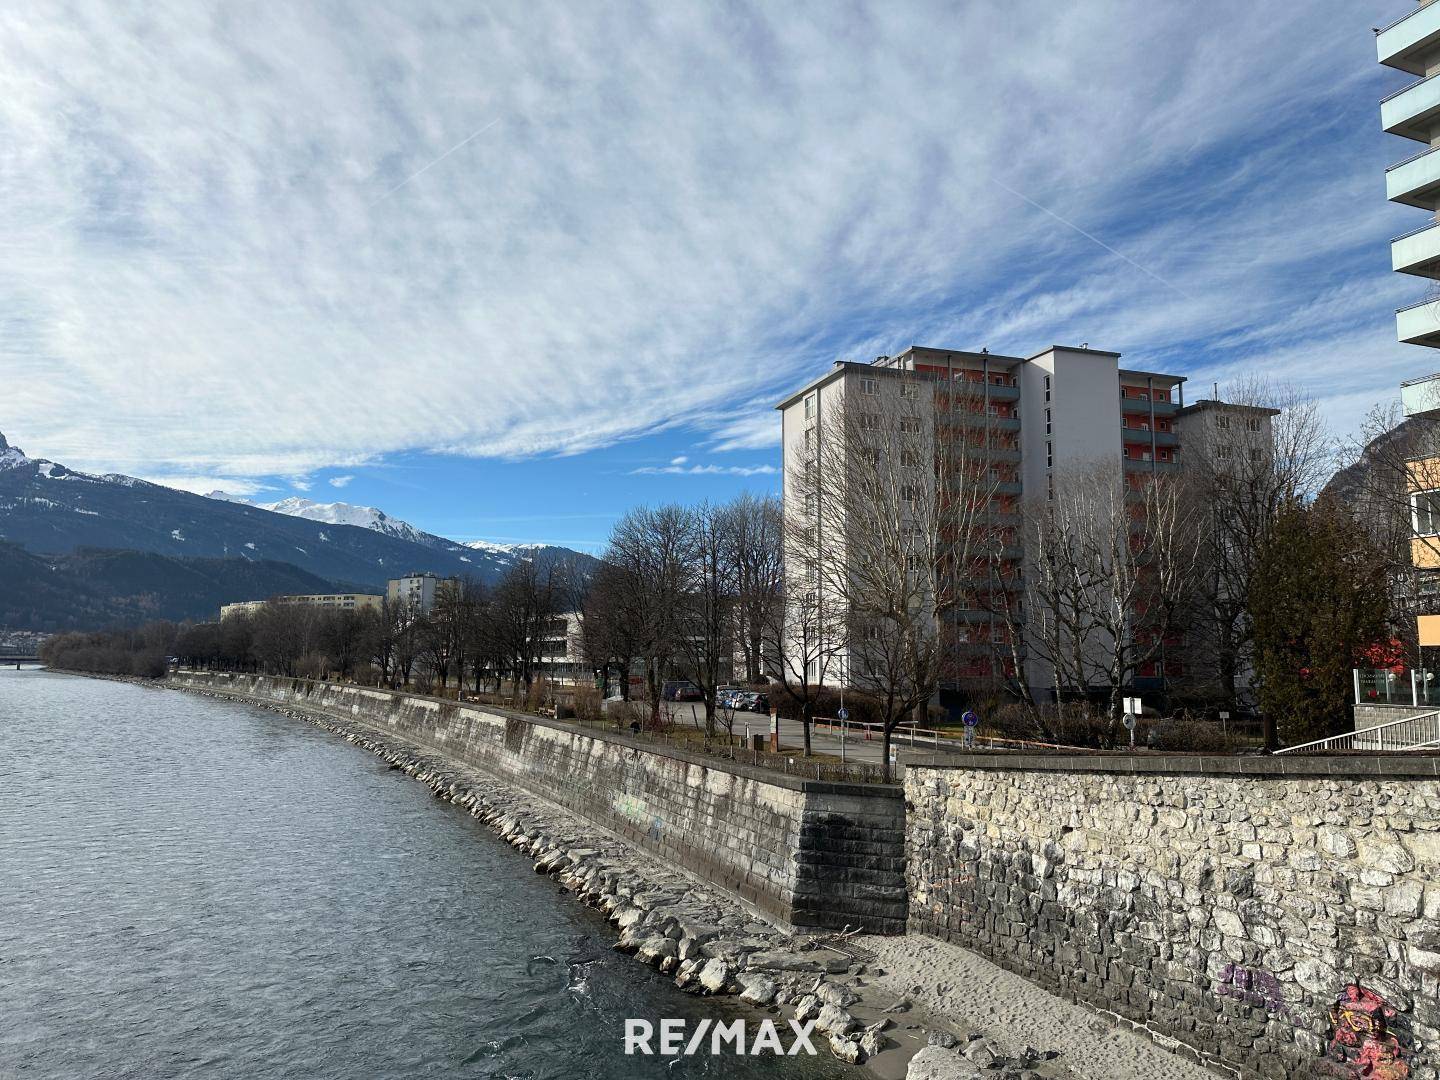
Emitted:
<point x="242" y="607"/>
<point x="341" y="601"/>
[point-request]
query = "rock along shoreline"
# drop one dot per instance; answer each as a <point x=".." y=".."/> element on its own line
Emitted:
<point x="666" y="918"/>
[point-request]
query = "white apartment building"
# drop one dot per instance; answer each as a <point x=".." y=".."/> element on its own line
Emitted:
<point x="413" y="591"/>
<point x="1064" y="408"/>
<point x="1412" y="44"/>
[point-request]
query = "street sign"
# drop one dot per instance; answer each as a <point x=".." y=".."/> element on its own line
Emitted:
<point x="1224" y="714"/>
<point x="1133" y="705"/>
<point x="842" y="713"/>
<point x="1129" y="721"/>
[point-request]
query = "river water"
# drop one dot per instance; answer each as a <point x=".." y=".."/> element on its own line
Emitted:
<point x="195" y="888"/>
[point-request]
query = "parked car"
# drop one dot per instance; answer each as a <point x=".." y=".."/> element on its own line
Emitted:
<point x="753" y="702"/>
<point x="681" y="690"/>
<point x="729" y="697"/>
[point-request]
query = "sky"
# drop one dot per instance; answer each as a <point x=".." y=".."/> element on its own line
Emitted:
<point x="506" y="270"/>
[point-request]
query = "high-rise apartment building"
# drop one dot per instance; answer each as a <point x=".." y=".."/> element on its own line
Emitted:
<point x="1412" y="45"/>
<point x="413" y="591"/>
<point x="1039" y="420"/>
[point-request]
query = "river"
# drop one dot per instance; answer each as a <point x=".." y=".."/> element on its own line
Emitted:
<point x="196" y="888"/>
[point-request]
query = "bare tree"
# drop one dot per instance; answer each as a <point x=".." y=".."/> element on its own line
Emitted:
<point x="805" y="633"/>
<point x="646" y="553"/>
<point x="757" y="557"/>
<point x="1111" y="566"/>
<point x="903" y="501"/>
<point x="1247" y="458"/>
<point x="610" y="638"/>
<point x="704" y="600"/>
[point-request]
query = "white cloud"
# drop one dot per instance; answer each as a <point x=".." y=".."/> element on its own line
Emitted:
<point x="704" y="470"/>
<point x="679" y="460"/>
<point x="301" y="483"/>
<point x="233" y="238"/>
<point x="241" y="487"/>
<point x="340" y="481"/>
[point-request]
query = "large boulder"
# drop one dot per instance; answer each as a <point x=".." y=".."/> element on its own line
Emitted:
<point x="834" y="1020"/>
<point x="940" y="1063"/>
<point x="756" y="988"/>
<point x="715" y="976"/>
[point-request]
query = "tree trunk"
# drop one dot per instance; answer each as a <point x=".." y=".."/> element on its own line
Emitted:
<point x="885" y="754"/>
<point x="806" y="719"/>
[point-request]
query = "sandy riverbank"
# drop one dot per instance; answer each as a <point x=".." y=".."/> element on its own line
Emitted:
<point x="959" y="992"/>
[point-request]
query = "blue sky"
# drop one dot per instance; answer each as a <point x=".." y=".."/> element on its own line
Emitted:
<point x="511" y="269"/>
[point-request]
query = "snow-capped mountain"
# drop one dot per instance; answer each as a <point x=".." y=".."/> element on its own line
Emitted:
<point x="47" y="508"/>
<point x="504" y="552"/>
<point x="339" y="513"/>
<point x="11" y="457"/>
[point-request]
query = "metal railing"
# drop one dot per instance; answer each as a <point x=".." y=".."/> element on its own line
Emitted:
<point x="1412" y="733"/>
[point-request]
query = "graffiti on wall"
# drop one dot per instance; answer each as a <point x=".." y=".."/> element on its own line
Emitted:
<point x="1368" y="1035"/>
<point x="638" y="814"/>
<point x="1255" y="988"/>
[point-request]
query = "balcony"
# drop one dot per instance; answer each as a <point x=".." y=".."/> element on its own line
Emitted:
<point x="1421" y="396"/>
<point x="1419" y="324"/>
<point x="1135" y="406"/>
<point x="1002" y="393"/>
<point x="1413" y="111"/>
<point x="1007" y="487"/>
<point x="1407" y="43"/>
<point x="1144" y="437"/>
<point x="1417" y="252"/>
<point x="999" y="453"/>
<point x="1140" y="465"/>
<point x="1415" y="181"/>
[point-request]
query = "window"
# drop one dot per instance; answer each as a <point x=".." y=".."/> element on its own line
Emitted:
<point x="910" y="425"/>
<point x="1222" y="422"/>
<point x="910" y="493"/>
<point x="1047" y="387"/>
<point x="1049" y="455"/>
<point x="871" y="456"/>
<point x="909" y="459"/>
<point x="810" y="407"/>
<point x="909" y="390"/>
<point x="870" y="387"/>
<point x="869" y="421"/>
<point x="1047" y="421"/>
<point x="1252" y="423"/>
<point x="809" y="441"/>
<point x="1425" y="512"/>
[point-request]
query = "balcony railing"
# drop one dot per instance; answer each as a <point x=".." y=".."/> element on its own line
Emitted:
<point x="1411" y="110"/>
<point x="1405" y="42"/>
<point x="1416" y="180"/>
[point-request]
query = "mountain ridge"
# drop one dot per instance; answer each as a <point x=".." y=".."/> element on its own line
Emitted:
<point x="50" y="509"/>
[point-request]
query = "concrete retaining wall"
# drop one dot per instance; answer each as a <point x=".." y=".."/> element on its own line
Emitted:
<point x="1277" y="916"/>
<point x="801" y="852"/>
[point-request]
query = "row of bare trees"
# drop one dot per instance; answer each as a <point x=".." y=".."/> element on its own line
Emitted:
<point x="476" y="635"/>
<point x="693" y="592"/>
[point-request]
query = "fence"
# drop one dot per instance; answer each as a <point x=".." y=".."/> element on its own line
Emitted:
<point x="1412" y="733"/>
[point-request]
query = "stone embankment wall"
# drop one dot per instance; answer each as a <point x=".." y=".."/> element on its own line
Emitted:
<point x="1280" y="917"/>
<point x="804" y="853"/>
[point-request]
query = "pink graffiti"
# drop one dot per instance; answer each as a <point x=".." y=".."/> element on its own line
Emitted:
<point x="1361" y="1035"/>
